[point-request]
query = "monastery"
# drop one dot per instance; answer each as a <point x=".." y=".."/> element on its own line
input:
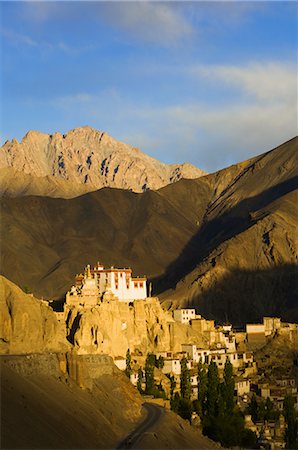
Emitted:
<point x="97" y="283"/>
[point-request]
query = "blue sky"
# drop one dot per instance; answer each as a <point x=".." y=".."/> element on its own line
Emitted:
<point x="211" y="83"/>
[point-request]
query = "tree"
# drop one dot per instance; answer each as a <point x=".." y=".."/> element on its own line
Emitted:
<point x="26" y="289"/>
<point x="291" y="434"/>
<point x="228" y="387"/>
<point x="185" y="385"/>
<point x="159" y="362"/>
<point x="149" y="374"/>
<point x="140" y="379"/>
<point x="173" y="384"/>
<point x="202" y="390"/>
<point x="254" y="408"/>
<point x="174" y="402"/>
<point x="212" y="390"/>
<point x="128" y="370"/>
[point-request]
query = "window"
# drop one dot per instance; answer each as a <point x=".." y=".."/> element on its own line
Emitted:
<point x="141" y="284"/>
<point x="135" y="285"/>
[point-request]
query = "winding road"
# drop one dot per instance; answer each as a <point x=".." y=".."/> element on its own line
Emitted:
<point x="154" y="413"/>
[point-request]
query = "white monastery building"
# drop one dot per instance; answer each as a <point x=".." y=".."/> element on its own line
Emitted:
<point x="97" y="281"/>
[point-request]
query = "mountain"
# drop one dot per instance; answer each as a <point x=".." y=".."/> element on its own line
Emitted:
<point x="88" y="157"/>
<point x="225" y="243"/>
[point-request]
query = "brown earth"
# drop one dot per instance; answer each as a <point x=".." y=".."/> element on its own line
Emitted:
<point x="42" y="411"/>
<point x="225" y="243"/>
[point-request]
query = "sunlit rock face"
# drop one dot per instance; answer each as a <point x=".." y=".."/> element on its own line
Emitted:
<point x="90" y="158"/>
<point x="112" y="327"/>
<point x="27" y="325"/>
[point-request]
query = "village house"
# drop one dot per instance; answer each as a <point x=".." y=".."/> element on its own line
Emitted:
<point x="185" y="315"/>
<point x="242" y="387"/>
<point x="173" y="366"/>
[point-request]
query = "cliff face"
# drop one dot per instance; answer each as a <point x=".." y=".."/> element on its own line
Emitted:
<point x="27" y="324"/>
<point x="87" y="157"/>
<point x="113" y="327"/>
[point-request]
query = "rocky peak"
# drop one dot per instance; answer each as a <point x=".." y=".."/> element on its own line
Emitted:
<point x="87" y="156"/>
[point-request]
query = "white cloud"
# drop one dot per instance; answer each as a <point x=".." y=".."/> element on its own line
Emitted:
<point x="161" y="23"/>
<point x="208" y="136"/>
<point x="18" y="38"/>
<point x="265" y="81"/>
<point x="21" y="40"/>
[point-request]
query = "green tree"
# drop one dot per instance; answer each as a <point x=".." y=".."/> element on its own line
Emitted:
<point x="26" y="289"/>
<point x="185" y="385"/>
<point x="212" y="390"/>
<point x="185" y="408"/>
<point x="253" y="408"/>
<point x="149" y="374"/>
<point x="228" y="387"/>
<point x="140" y="379"/>
<point x="202" y="390"/>
<point x="174" y="402"/>
<point x="270" y="412"/>
<point x="173" y="384"/>
<point x="160" y="362"/>
<point x="128" y="370"/>
<point x="151" y="359"/>
<point x="291" y="435"/>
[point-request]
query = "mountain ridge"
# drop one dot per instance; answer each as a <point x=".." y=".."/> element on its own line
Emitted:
<point x="91" y="158"/>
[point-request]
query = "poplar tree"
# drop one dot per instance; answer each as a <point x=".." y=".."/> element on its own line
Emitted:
<point x="140" y="379"/>
<point x="128" y="370"/>
<point x="202" y="389"/>
<point x="149" y="374"/>
<point x="185" y="385"/>
<point x="228" y="388"/>
<point x="212" y="390"/>
<point x="291" y="435"/>
<point x="254" y="408"/>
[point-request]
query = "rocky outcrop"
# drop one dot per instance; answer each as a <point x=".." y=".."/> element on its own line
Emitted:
<point x="90" y="158"/>
<point x="113" y="327"/>
<point x="27" y="325"/>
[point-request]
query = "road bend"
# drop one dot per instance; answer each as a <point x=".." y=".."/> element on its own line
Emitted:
<point x="154" y="413"/>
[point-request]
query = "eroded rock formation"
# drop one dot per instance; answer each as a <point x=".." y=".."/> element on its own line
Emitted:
<point x="27" y="325"/>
